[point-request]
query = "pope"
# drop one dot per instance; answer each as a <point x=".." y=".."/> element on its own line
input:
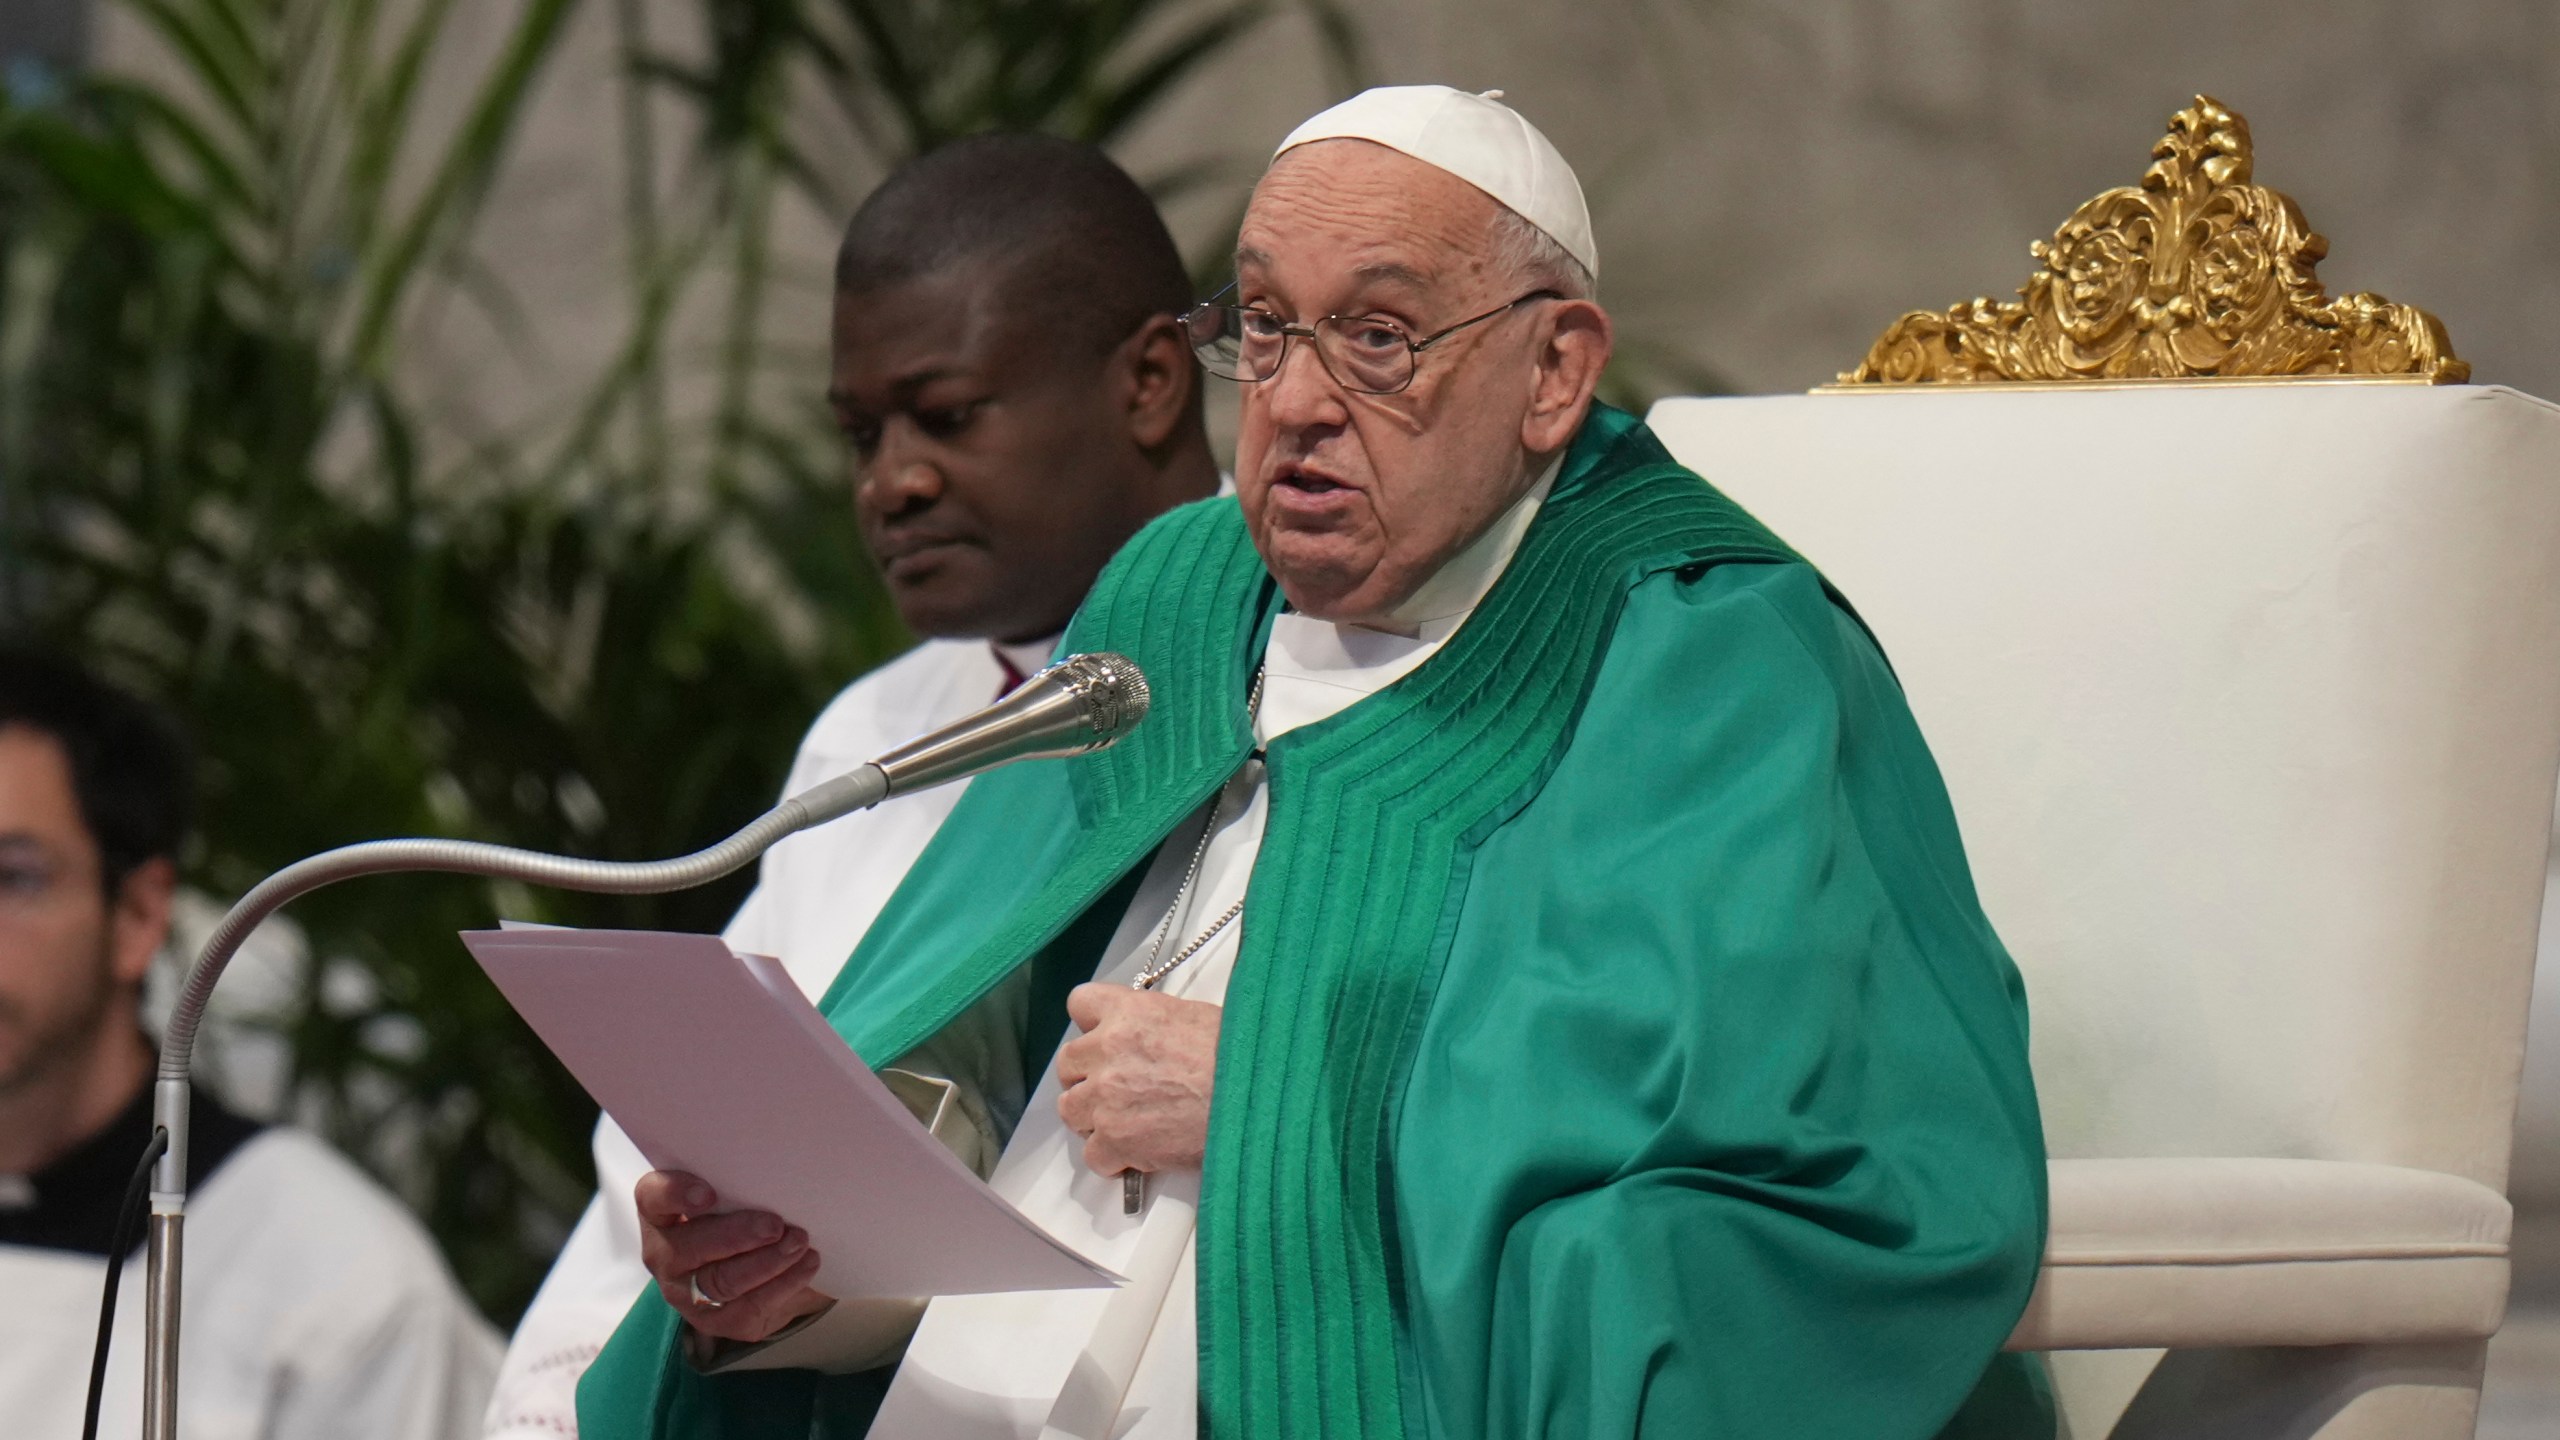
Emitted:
<point x="1523" y="978"/>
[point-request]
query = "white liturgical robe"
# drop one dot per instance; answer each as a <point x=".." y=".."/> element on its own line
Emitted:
<point x="315" y="1305"/>
<point x="1123" y="1363"/>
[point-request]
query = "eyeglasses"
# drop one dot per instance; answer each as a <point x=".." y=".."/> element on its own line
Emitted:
<point x="1367" y="355"/>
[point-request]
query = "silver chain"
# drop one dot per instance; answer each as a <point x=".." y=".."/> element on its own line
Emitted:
<point x="1133" y="1183"/>
<point x="1147" y="980"/>
<point x="1153" y="970"/>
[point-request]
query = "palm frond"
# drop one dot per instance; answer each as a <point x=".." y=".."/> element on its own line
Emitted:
<point x="460" y="177"/>
<point x="221" y="56"/>
<point x="1129" y="99"/>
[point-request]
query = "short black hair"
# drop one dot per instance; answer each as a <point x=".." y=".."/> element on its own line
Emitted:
<point x="131" y="768"/>
<point x="1067" y="228"/>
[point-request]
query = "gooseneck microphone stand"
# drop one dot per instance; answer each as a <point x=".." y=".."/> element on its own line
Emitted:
<point x="1078" y="705"/>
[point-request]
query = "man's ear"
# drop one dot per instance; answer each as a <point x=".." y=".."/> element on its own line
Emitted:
<point x="1160" y="377"/>
<point x="140" y="922"/>
<point x="1568" y="374"/>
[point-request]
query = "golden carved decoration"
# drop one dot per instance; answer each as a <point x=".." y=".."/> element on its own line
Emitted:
<point x="2194" y="273"/>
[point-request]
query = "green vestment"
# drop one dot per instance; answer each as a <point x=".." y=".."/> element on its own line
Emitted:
<point x="1615" y="1047"/>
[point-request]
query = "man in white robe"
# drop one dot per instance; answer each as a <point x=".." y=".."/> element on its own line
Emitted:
<point x="315" y="1306"/>
<point x="1019" y="400"/>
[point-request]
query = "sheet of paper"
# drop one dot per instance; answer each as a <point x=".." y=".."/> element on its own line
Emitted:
<point x="716" y="1064"/>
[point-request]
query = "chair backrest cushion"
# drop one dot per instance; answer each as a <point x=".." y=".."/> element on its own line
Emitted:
<point x="2249" y="700"/>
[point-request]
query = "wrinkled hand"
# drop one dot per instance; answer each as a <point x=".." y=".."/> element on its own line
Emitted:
<point x="754" y="1265"/>
<point x="1138" y="1079"/>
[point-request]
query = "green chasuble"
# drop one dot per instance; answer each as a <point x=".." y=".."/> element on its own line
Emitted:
<point x="1616" y="1046"/>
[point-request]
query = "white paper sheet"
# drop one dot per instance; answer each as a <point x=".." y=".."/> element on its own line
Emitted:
<point x="717" y="1064"/>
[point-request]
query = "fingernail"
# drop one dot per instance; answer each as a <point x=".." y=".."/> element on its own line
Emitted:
<point x="794" y="1242"/>
<point x="768" y="1227"/>
<point x="697" y="1196"/>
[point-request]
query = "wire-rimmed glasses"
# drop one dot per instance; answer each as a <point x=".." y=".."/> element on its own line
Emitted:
<point x="1361" y="353"/>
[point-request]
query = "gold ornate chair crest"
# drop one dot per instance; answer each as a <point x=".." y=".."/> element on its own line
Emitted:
<point x="2195" y="273"/>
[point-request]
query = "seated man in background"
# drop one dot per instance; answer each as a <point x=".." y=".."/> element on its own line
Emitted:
<point x="315" y="1306"/>
<point x="1019" y="400"/>
<point x="1535" y="984"/>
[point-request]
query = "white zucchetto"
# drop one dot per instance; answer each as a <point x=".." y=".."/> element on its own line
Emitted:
<point x="1476" y="138"/>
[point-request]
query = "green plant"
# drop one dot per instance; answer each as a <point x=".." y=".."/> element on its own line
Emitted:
<point x="218" y="490"/>
<point x="602" y="636"/>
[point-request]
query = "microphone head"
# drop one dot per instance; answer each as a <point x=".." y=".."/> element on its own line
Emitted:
<point x="1074" y="707"/>
<point x="1110" y="688"/>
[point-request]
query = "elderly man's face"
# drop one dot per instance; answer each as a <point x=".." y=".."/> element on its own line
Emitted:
<point x="1355" y="500"/>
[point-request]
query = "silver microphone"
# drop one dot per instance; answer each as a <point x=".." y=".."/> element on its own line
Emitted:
<point x="1080" y="704"/>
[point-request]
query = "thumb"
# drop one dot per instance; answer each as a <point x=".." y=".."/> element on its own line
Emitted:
<point x="1093" y="1002"/>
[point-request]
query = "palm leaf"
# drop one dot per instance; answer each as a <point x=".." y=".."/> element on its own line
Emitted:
<point x="1132" y="98"/>
<point x="384" y="102"/>
<point x="459" y="178"/>
<point x="220" y="57"/>
<point x="154" y="114"/>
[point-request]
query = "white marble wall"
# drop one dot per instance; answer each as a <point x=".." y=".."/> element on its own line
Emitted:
<point x="1773" y="182"/>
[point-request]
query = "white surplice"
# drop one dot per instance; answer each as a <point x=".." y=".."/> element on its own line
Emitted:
<point x="1124" y="1363"/>
<point x="315" y="1308"/>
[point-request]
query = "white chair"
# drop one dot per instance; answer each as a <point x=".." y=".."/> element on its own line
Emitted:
<point x="2249" y="701"/>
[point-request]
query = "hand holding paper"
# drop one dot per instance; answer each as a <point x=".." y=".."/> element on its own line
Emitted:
<point x="719" y="1068"/>
<point x="751" y="1268"/>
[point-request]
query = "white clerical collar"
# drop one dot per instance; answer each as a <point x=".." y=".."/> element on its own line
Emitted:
<point x="1315" y="669"/>
<point x="1459" y="585"/>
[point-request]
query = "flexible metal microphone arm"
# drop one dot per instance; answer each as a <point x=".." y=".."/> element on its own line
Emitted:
<point x="857" y="790"/>
<point x="1080" y="704"/>
<point x="861" y="789"/>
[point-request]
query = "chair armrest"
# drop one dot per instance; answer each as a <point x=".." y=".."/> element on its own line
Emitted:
<point x="2201" y="1253"/>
